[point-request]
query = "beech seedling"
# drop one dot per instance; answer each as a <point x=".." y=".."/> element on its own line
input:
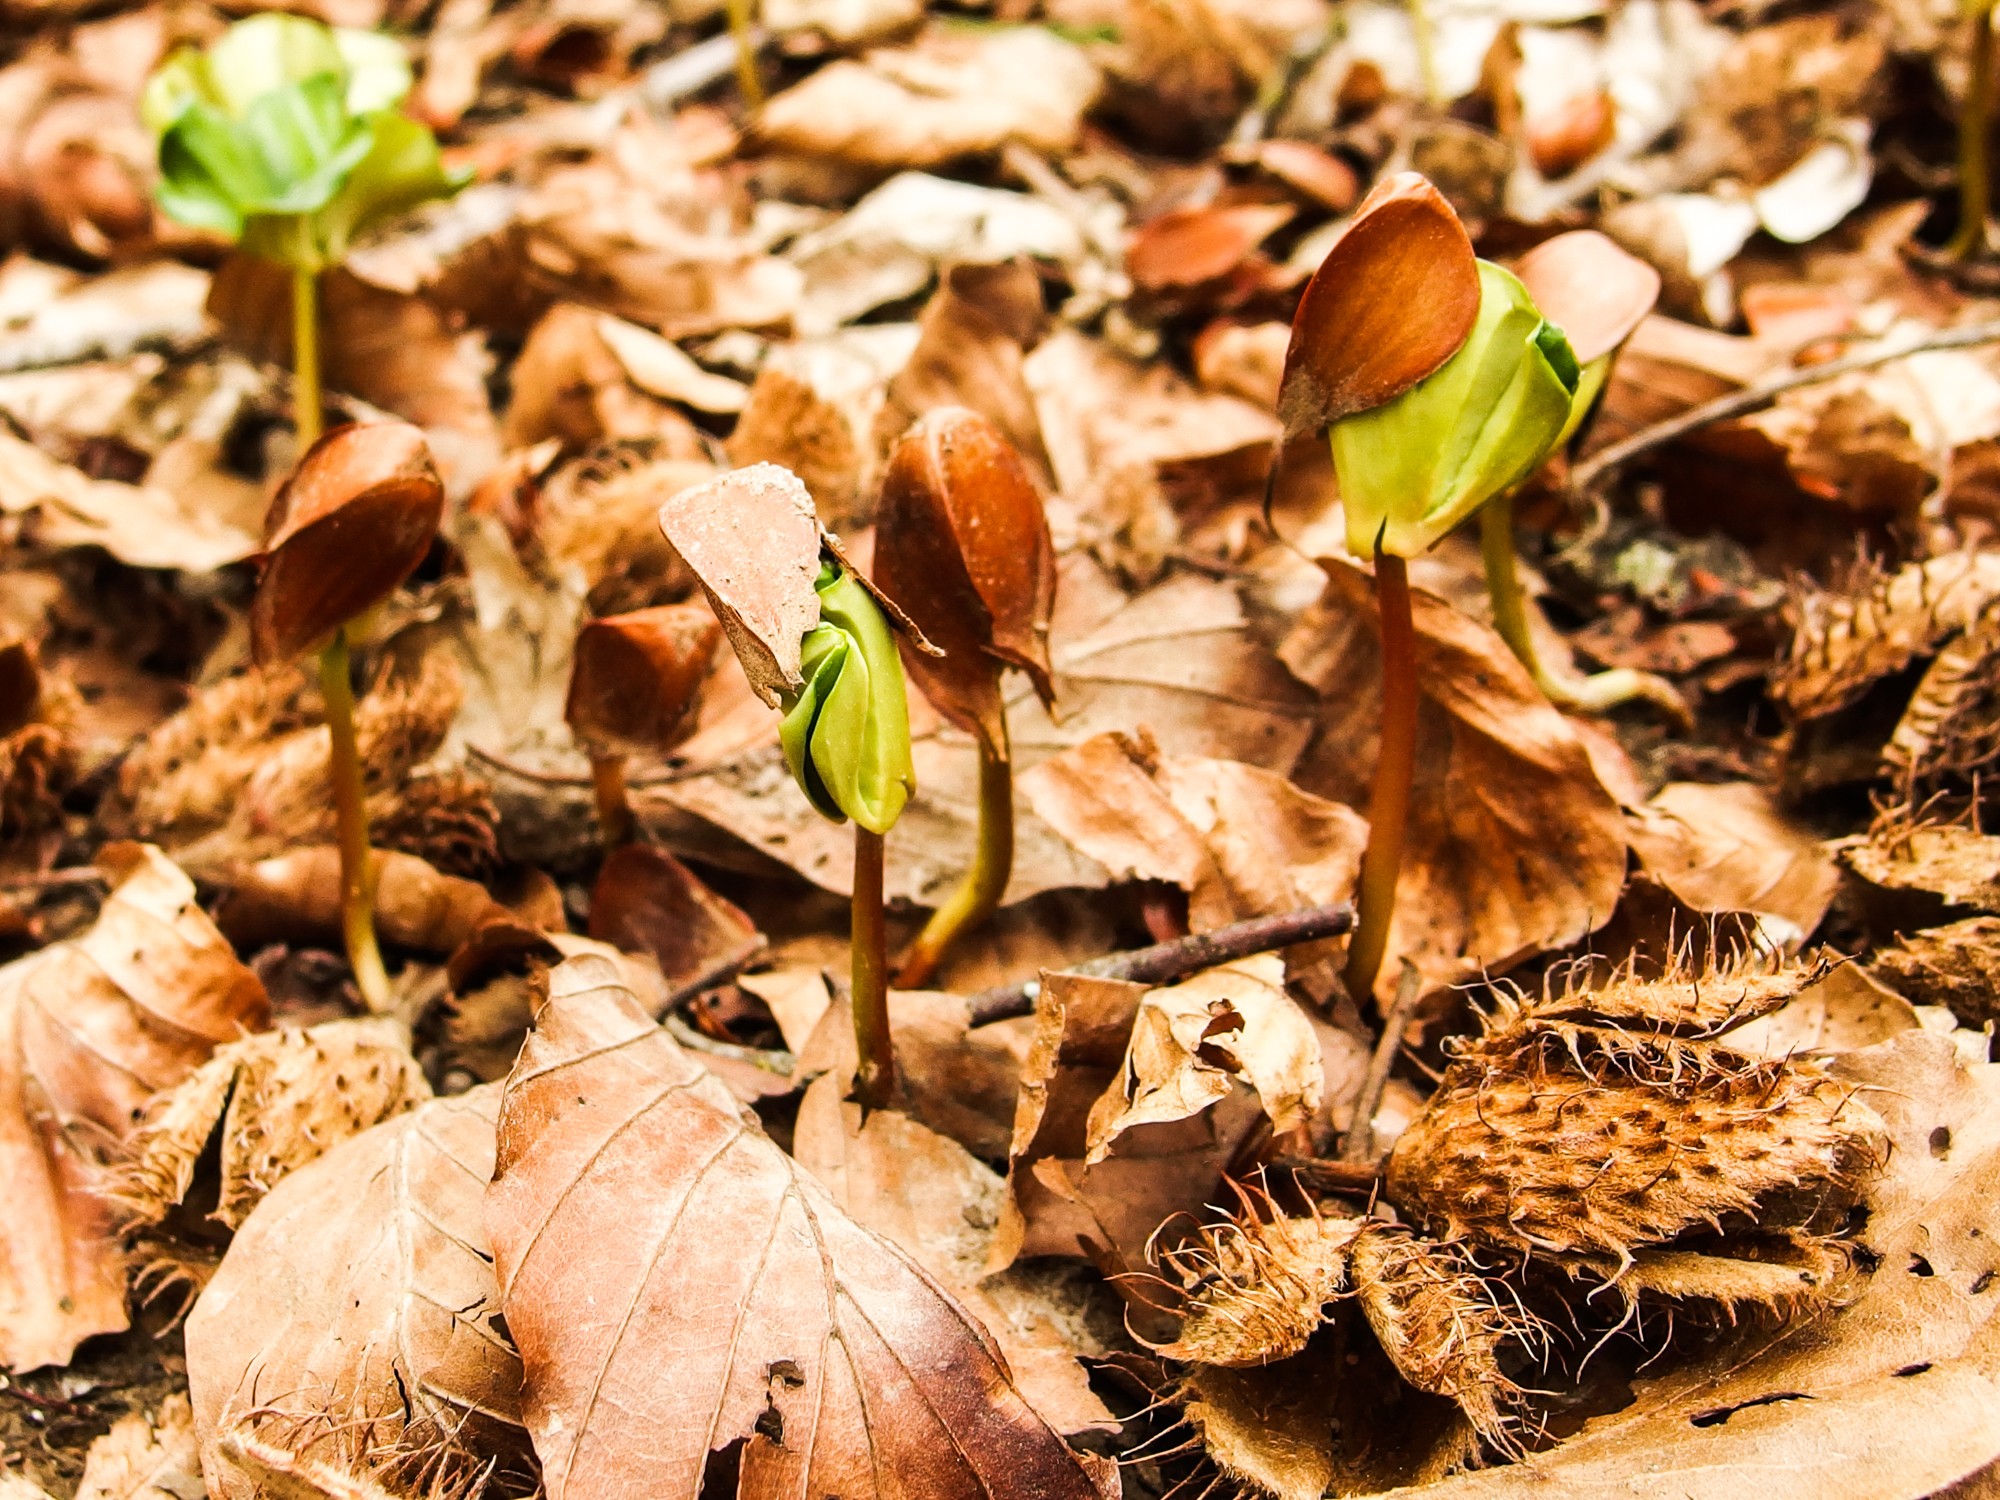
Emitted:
<point x="962" y="545"/>
<point x="1975" y="126"/>
<point x="353" y="521"/>
<point x="634" y="684"/>
<point x="1428" y="422"/>
<point x="285" y="135"/>
<point x="816" y="643"/>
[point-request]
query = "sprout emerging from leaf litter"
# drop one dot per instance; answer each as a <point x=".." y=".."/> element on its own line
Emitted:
<point x="962" y="544"/>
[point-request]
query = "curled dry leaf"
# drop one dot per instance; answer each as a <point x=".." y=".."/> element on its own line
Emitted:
<point x="358" y="1302"/>
<point x="646" y="901"/>
<point x="962" y="544"/>
<point x="268" y="1105"/>
<point x="1185" y="248"/>
<point x="90" y="1031"/>
<point x="570" y="384"/>
<point x="688" y="1301"/>
<point x="296" y="898"/>
<point x="353" y="521"/>
<point x="1392" y="301"/>
<point x="753" y="540"/>
<point x="634" y="678"/>
<point x="1588" y="287"/>
<point x="1514" y="845"/>
<point x="1193" y="1042"/>
<point x="1727" y="848"/>
<point x="146" y="1457"/>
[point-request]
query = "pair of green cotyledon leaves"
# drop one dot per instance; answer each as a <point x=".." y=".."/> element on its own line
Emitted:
<point x="1438" y="380"/>
<point x="287" y="136"/>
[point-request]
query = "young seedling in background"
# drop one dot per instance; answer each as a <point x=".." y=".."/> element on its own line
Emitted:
<point x="741" y="25"/>
<point x="353" y="521"/>
<point x="1597" y="294"/>
<point x="633" y="687"/>
<point x="1440" y="386"/>
<point x="815" y="643"/>
<point x="962" y="544"/>
<point x="285" y="136"/>
<point x="1975" y="125"/>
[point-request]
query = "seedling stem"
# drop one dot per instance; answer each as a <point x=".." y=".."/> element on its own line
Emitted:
<point x="740" y="23"/>
<point x="1975" y="123"/>
<point x="614" y="810"/>
<point x="978" y="895"/>
<point x="357" y="866"/>
<point x="875" y="1071"/>
<point x="1395" y="770"/>
<point x="305" y="357"/>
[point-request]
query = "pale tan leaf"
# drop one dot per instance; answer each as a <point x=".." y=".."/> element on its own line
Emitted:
<point x="146" y="1458"/>
<point x="1728" y="849"/>
<point x="138" y="524"/>
<point x="686" y="1296"/>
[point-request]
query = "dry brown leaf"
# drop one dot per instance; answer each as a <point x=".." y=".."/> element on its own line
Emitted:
<point x="142" y="525"/>
<point x="1956" y="865"/>
<point x="1890" y="1395"/>
<point x="146" y="1458"/>
<point x="270" y="1104"/>
<point x="1727" y="848"/>
<point x="1514" y="846"/>
<point x="601" y="516"/>
<point x="570" y="383"/>
<point x="1193" y="1042"/>
<point x="358" y="1299"/>
<point x="949" y="95"/>
<point x="689" y="1301"/>
<point x="937" y="1201"/>
<point x="296" y="898"/>
<point x="646" y="901"/>
<point x="90" y="1031"/>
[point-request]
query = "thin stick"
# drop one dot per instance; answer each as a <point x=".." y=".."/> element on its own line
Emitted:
<point x="875" y="1071"/>
<point x="357" y="866"/>
<point x="978" y="895"/>
<point x="1588" y="475"/>
<point x="614" y="810"/>
<point x="306" y="402"/>
<point x="740" y="26"/>
<point x="1359" y="1144"/>
<point x="1395" y="771"/>
<point x="1975" y="123"/>
<point x="1164" y="963"/>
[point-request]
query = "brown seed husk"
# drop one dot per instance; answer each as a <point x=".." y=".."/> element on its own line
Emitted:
<point x="635" y="678"/>
<point x="1952" y="721"/>
<point x="1258" y="1288"/>
<point x="1552" y="1138"/>
<point x="353" y="521"/>
<point x="1956" y="966"/>
<point x="962" y="545"/>
<point x="1591" y="289"/>
<point x="1784" y="1275"/>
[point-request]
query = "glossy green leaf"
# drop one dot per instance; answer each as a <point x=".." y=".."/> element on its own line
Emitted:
<point x="402" y="169"/>
<point x="846" y="733"/>
<point x="1414" y="468"/>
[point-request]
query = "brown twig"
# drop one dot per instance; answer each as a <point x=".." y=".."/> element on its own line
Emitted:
<point x="1357" y="1148"/>
<point x="1165" y="962"/>
<point x="1588" y="475"/>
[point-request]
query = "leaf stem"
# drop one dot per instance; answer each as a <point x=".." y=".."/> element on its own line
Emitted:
<point x="875" y="1071"/>
<point x="1968" y="241"/>
<point x="978" y="895"/>
<point x="1427" y="68"/>
<point x="306" y="413"/>
<point x="614" y="809"/>
<point x="1395" y="770"/>
<point x="357" y="865"/>
<point x="746" y="54"/>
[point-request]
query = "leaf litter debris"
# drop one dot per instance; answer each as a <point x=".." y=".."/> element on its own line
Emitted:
<point x="1659" y="1151"/>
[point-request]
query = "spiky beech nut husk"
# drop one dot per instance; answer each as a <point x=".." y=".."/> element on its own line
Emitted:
<point x="635" y="678"/>
<point x="1552" y="1138"/>
<point x="353" y="521"/>
<point x="1257" y="1288"/>
<point x="962" y="544"/>
<point x="1438" y="1322"/>
<point x="1394" y="299"/>
<point x="1683" y="1001"/>
<point x="1770" y="1274"/>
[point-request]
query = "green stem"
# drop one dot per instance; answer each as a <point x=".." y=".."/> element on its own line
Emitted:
<point x="978" y="895"/>
<point x="875" y="1070"/>
<point x="306" y="417"/>
<point x="746" y="54"/>
<point x="1593" y="694"/>
<point x="350" y="805"/>
<point x="1395" y="771"/>
<point x="1974" y="126"/>
<point x="614" y="809"/>
<point x="1427" y="68"/>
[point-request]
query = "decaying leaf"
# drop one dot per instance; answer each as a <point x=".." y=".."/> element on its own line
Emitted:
<point x="752" y="538"/>
<point x="90" y="1031"/>
<point x="690" y="1304"/>
<point x="358" y="1301"/>
<point x="1728" y="849"/>
<point x="269" y="1104"/>
<point x="296" y="898"/>
<point x="1193" y="1041"/>
<point x="1950" y="863"/>
<point x="146" y="1458"/>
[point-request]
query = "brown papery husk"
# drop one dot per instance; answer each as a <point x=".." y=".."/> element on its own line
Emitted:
<point x="353" y="521"/>
<point x="1595" y="292"/>
<point x="635" y="678"/>
<point x="1394" y="299"/>
<point x="962" y="545"/>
